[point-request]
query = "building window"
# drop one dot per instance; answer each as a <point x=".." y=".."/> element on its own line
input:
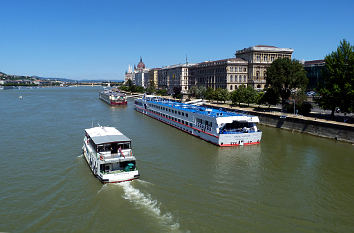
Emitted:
<point x="240" y="69"/>
<point x="265" y="58"/>
<point x="231" y="69"/>
<point x="231" y="87"/>
<point x="244" y="69"/>
<point x="244" y="78"/>
<point x="257" y="75"/>
<point x="258" y="58"/>
<point x="272" y="58"/>
<point x="231" y="78"/>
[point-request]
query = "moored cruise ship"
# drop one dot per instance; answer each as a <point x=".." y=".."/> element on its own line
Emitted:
<point x="109" y="155"/>
<point x="222" y="128"/>
<point x="113" y="98"/>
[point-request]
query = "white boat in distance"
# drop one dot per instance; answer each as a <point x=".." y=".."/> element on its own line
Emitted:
<point x="109" y="155"/>
<point x="220" y="127"/>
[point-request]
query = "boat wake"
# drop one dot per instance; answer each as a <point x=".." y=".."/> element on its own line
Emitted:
<point x="105" y="186"/>
<point x="143" y="182"/>
<point x="80" y="156"/>
<point x="145" y="201"/>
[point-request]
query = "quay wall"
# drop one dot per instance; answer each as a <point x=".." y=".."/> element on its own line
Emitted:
<point x="318" y="128"/>
<point x="336" y="131"/>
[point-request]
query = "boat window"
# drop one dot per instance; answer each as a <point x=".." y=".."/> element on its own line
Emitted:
<point x="179" y="113"/>
<point x="186" y="114"/>
<point x="236" y="126"/>
<point x="124" y="146"/>
<point x="103" y="147"/>
<point x="182" y="113"/>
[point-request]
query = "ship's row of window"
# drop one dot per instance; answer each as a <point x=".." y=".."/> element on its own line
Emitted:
<point x="168" y="109"/>
<point x="172" y="118"/>
<point x="180" y="121"/>
<point x="206" y="126"/>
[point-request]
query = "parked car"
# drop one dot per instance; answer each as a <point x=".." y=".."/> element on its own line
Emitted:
<point x="310" y="93"/>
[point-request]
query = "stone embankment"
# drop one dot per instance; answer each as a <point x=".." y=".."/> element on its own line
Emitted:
<point x="330" y="129"/>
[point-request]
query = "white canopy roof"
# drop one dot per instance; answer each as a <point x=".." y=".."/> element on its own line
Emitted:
<point x="101" y="135"/>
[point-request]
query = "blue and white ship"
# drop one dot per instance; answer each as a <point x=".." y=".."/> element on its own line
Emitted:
<point x="222" y="128"/>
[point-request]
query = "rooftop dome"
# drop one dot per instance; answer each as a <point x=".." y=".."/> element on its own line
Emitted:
<point x="141" y="64"/>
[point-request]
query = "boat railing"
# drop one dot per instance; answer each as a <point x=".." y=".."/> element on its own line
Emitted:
<point x="238" y="131"/>
<point x="122" y="154"/>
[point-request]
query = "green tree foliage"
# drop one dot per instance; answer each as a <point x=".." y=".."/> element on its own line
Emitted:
<point x="162" y="92"/>
<point x="338" y="87"/>
<point x="129" y="86"/>
<point x="210" y="94"/>
<point x="198" y="92"/>
<point x="221" y="95"/>
<point x="151" y="88"/>
<point x="177" y="92"/>
<point x="244" y="95"/>
<point x="285" y="76"/>
<point x="270" y="97"/>
<point x="250" y="95"/>
<point x="129" y="83"/>
<point x="239" y="96"/>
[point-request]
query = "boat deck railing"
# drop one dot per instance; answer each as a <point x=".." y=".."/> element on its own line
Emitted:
<point x="238" y="131"/>
<point x="117" y="155"/>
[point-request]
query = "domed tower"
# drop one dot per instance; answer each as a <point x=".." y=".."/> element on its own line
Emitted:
<point x="141" y="65"/>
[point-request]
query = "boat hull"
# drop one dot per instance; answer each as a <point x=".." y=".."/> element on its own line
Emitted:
<point x="223" y="140"/>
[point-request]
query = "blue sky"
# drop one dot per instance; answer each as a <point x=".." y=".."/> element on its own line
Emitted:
<point x="99" y="39"/>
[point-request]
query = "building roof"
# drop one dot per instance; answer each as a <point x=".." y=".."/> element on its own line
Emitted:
<point x="223" y="61"/>
<point x="101" y="135"/>
<point x="315" y="63"/>
<point x="177" y="66"/>
<point x="141" y="64"/>
<point x="265" y="48"/>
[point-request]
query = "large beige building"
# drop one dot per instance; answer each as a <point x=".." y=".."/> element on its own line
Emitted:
<point x="153" y="77"/>
<point x="259" y="58"/>
<point x="227" y="74"/>
<point x="173" y="76"/>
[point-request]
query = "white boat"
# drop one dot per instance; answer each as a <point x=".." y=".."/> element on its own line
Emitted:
<point x="220" y="127"/>
<point x="109" y="155"/>
<point x="113" y="98"/>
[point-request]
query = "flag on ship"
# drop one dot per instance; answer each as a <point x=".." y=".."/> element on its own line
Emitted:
<point x="121" y="152"/>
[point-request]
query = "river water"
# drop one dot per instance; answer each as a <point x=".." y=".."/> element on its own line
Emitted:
<point x="289" y="183"/>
